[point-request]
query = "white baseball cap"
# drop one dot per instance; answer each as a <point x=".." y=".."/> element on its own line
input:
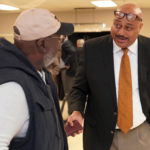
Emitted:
<point x="36" y="23"/>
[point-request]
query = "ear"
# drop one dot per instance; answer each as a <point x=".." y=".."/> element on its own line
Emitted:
<point x="140" y="26"/>
<point x="41" y="45"/>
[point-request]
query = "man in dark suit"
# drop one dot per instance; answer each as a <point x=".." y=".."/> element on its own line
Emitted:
<point x="109" y="125"/>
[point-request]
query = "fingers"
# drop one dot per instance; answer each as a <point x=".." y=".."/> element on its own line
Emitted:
<point x="76" y="115"/>
<point x="80" y="131"/>
<point x="70" y="120"/>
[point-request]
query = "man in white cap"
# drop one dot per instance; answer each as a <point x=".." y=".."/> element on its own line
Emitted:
<point x="29" y="111"/>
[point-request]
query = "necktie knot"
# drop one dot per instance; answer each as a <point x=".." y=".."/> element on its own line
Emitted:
<point x="125" y="50"/>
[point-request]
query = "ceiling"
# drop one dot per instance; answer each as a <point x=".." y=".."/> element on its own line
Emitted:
<point x="66" y="5"/>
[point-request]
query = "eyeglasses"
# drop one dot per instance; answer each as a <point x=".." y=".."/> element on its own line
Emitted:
<point x="60" y="38"/>
<point x="129" y="16"/>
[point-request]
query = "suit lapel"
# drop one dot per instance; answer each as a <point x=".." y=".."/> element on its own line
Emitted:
<point x="142" y="74"/>
<point x="141" y="67"/>
<point x="109" y="68"/>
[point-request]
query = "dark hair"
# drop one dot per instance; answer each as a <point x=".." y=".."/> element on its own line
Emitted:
<point x="69" y="56"/>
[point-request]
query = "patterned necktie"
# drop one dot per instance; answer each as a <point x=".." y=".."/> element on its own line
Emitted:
<point x="125" y="107"/>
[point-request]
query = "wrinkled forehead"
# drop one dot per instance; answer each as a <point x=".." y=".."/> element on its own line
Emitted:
<point x="125" y="22"/>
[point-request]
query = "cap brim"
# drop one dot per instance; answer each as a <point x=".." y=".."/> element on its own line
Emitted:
<point x="66" y="29"/>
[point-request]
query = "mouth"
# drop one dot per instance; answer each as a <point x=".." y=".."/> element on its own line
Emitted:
<point x="121" y="39"/>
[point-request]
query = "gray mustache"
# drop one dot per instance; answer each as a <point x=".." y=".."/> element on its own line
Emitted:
<point x="121" y="37"/>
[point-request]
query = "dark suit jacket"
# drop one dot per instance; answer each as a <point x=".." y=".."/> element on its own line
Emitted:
<point x="95" y="78"/>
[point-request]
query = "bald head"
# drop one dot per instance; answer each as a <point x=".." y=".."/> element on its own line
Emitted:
<point x="131" y="8"/>
<point x="80" y="42"/>
<point x="126" y="25"/>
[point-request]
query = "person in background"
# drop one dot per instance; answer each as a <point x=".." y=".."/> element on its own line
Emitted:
<point x="115" y="74"/>
<point x="54" y="68"/>
<point x="30" y="118"/>
<point x="68" y="64"/>
<point x="80" y="43"/>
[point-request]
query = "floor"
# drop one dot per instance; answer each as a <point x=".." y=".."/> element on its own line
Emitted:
<point x="74" y="143"/>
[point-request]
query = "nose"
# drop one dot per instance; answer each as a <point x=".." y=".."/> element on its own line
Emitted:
<point x="121" y="31"/>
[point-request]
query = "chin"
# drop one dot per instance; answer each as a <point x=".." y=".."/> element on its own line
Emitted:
<point x="122" y="45"/>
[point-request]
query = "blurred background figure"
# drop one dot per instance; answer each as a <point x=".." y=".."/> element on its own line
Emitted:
<point x="80" y="43"/>
<point x="68" y="65"/>
<point x="54" y="68"/>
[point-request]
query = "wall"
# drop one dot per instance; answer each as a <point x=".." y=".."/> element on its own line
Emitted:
<point x="81" y="16"/>
<point x="105" y="16"/>
<point x="6" y="23"/>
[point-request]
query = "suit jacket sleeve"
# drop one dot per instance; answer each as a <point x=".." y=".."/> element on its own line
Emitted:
<point x="80" y="87"/>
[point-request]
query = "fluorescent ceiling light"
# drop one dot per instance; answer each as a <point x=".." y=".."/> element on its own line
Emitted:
<point x="104" y="3"/>
<point x="7" y="7"/>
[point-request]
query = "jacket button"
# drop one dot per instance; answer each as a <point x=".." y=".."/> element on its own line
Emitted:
<point x="112" y="132"/>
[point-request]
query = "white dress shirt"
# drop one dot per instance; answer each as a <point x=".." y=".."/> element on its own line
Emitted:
<point x="138" y="115"/>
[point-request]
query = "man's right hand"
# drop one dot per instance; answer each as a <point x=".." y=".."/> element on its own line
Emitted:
<point x="76" y="115"/>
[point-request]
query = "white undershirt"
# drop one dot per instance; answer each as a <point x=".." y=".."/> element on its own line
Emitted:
<point x="14" y="116"/>
<point x="138" y="115"/>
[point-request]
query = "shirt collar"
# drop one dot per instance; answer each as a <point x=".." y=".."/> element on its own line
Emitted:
<point x="42" y="74"/>
<point x="132" y="48"/>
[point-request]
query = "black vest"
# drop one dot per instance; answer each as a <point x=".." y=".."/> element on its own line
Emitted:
<point x="42" y="132"/>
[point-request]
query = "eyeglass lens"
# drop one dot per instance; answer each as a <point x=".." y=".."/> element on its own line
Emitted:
<point x="130" y="16"/>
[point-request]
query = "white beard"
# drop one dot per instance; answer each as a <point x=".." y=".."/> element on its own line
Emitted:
<point x="49" y="58"/>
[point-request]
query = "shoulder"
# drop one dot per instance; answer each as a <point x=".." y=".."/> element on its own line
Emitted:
<point x="12" y="98"/>
<point x="14" y="89"/>
<point x="98" y="44"/>
<point x="100" y="40"/>
<point x="144" y="40"/>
